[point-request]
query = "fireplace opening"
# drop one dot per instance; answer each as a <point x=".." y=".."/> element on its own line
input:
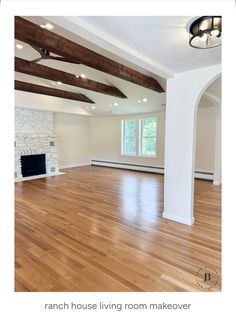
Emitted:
<point x="32" y="165"/>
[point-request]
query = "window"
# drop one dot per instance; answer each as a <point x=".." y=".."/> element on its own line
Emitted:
<point x="129" y="128"/>
<point x="148" y="137"/>
<point x="145" y="145"/>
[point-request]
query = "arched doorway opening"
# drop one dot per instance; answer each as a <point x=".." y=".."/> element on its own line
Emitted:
<point x="208" y="134"/>
<point x="208" y="155"/>
<point x="184" y="92"/>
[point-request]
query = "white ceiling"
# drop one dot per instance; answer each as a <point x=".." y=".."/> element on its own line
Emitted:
<point x="156" y="46"/>
<point x="162" y="39"/>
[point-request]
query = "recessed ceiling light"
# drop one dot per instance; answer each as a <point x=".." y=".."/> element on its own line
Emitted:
<point x="144" y="100"/>
<point x="53" y="83"/>
<point x="59" y="83"/>
<point x="19" y="46"/>
<point x="139" y="101"/>
<point x="47" y="26"/>
<point x="110" y="105"/>
<point x="116" y="104"/>
<point x="82" y="76"/>
<point x="93" y="107"/>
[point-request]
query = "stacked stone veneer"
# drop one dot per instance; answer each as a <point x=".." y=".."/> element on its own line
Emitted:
<point x="34" y="134"/>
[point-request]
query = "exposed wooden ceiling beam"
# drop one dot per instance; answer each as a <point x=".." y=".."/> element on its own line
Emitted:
<point x="49" y="73"/>
<point x="45" y="55"/>
<point x="44" y="90"/>
<point x="36" y="36"/>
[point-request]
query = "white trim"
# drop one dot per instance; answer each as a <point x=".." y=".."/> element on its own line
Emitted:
<point x="179" y="219"/>
<point x="123" y="137"/>
<point x="216" y="183"/>
<point x="39" y="176"/>
<point x="213" y="97"/>
<point x="75" y="165"/>
<point x="122" y="134"/>
<point x="148" y="156"/>
<point x="141" y="138"/>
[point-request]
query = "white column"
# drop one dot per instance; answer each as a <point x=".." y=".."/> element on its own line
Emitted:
<point x="183" y="94"/>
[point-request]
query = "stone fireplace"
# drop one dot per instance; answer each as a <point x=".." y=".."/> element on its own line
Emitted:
<point x="34" y="135"/>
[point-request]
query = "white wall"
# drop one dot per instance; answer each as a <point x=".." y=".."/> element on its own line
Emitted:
<point x="205" y="142"/>
<point x="105" y="140"/>
<point x="82" y="138"/>
<point x="48" y="103"/>
<point x="73" y="133"/>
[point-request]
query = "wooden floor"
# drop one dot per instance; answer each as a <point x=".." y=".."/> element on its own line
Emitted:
<point x="100" y="229"/>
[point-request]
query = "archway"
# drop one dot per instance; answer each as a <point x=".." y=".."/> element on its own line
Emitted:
<point x="208" y="134"/>
<point x="183" y="94"/>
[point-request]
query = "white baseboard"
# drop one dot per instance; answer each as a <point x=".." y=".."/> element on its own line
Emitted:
<point x="216" y="183"/>
<point x="179" y="219"/>
<point x="75" y="165"/>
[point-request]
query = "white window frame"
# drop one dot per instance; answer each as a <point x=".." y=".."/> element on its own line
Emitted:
<point x="141" y="138"/>
<point x="138" y="138"/>
<point x="122" y="138"/>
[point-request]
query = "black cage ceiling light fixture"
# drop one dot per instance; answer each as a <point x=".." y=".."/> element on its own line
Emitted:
<point x="205" y="32"/>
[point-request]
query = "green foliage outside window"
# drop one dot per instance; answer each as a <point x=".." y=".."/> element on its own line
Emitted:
<point x="147" y="142"/>
<point x="129" y="137"/>
<point x="149" y="128"/>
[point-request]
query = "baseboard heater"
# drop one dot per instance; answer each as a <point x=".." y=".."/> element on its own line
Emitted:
<point x="129" y="166"/>
<point x="137" y="167"/>
<point x="204" y="175"/>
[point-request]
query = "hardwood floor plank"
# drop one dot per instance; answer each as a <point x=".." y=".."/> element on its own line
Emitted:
<point x="100" y="229"/>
